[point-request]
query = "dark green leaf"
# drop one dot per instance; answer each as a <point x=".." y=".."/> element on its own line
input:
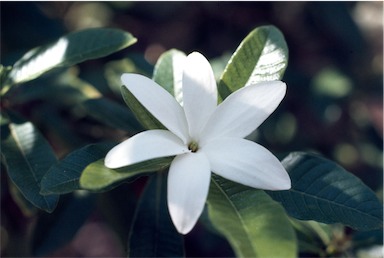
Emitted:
<point x="112" y="114"/>
<point x="168" y="72"/>
<point x="97" y="177"/>
<point x="27" y="157"/>
<point x="69" y="50"/>
<point x="261" y="56"/>
<point x="114" y="70"/>
<point x="64" y="176"/>
<point x="146" y="119"/>
<point x="153" y="233"/>
<point x="252" y="222"/>
<point x="325" y="192"/>
<point x="55" y="230"/>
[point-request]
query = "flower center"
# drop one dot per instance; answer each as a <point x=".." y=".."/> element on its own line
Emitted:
<point x="193" y="146"/>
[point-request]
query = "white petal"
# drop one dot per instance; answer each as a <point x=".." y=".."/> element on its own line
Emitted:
<point x="247" y="163"/>
<point x="199" y="92"/>
<point x="145" y="146"/>
<point x="188" y="185"/>
<point x="244" y="110"/>
<point x="158" y="102"/>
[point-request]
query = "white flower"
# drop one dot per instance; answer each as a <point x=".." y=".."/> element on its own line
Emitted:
<point x="204" y="137"/>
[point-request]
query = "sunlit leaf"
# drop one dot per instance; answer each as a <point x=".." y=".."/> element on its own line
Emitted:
<point x="252" y="222"/>
<point x="325" y="192"/>
<point x="97" y="177"/>
<point x="153" y="233"/>
<point x="261" y="56"/>
<point x="64" y="176"/>
<point x="27" y="157"/>
<point x="71" y="49"/>
<point x="168" y="72"/>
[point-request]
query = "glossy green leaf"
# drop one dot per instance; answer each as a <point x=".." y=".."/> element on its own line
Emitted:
<point x="112" y="114"/>
<point x="254" y="224"/>
<point x="71" y="49"/>
<point x="64" y="176"/>
<point x="325" y="192"/>
<point x="27" y="157"/>
<point x="168" y="72"/>
<point x="153" y="233"/>
<point x="146" y="119"/>
<point x="97" y="177"/>
<point x="261" y="56"/>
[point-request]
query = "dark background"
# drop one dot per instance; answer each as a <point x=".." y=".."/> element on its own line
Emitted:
<point x="334" y="77"/>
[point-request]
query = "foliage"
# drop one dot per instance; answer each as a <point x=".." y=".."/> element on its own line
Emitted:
<point x="255" y="223"/>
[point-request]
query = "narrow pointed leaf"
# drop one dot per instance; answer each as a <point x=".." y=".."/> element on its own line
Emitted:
<point x="71" y="49"/>
<point x="325" y="192"/>
<point x="97" y="177"/>
<point x="27" y="157"/>
<point x="64" y="176"/>
<point x="168" y="72"/>
<point x="152" y="233"/>
<point x="261" y="56"/>
<point x="252" y="222"/>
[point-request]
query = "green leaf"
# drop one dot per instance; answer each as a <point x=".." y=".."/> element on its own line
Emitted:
<point x="313" y="237"/>
<point x="69" y="50"/>
<point x="27" y="157"/>
<point x="252" y="222"/>
<point x="4" y="71"/>
<point x="146" y="119"/>
<point x="168" y="72"/>
<point x="97" y="177"/>
<point x="153" y="233"/>
<point x="114" y="70"/>
<point x="54" y="231"/>
<point x="325" y="192"/>
<point x="261" y="56"/>
<point x="64" y="176"/>
<point x="112" y="114"/>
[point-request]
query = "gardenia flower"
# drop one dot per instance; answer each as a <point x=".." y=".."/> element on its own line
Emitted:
<point x="204" y="137"/>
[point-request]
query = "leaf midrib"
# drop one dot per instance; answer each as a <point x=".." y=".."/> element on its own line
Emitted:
<point x="332" y="202"/>
<point x="24" y="156"/>
<point x="237" y="213"/>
